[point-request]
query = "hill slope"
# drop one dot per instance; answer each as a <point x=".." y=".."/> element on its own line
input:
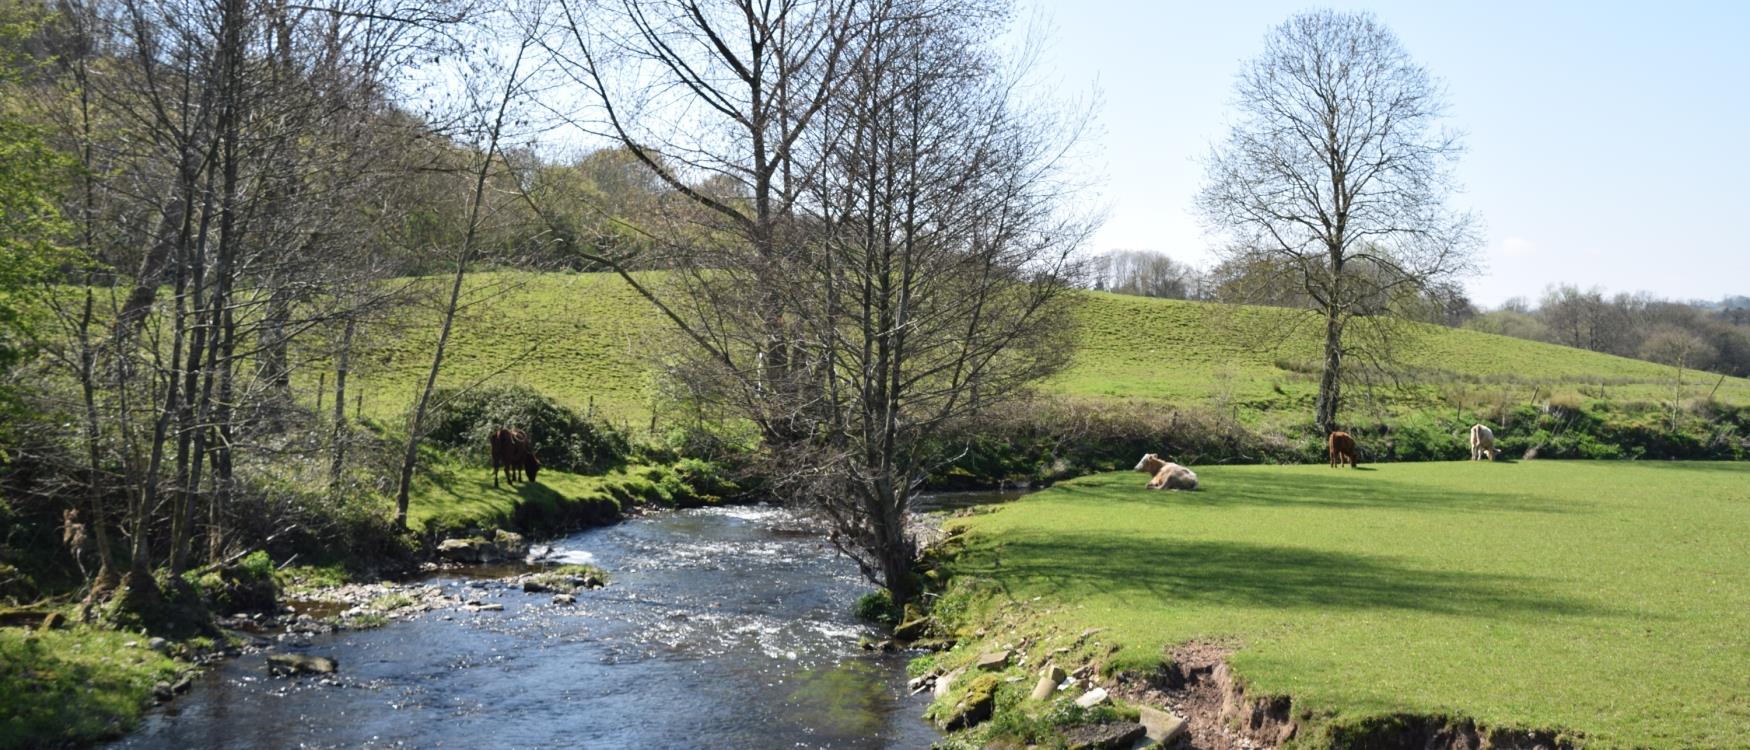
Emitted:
<point x="584" y="337"/>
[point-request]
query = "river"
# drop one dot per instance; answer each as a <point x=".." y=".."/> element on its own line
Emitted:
<point x="722" y="628"/>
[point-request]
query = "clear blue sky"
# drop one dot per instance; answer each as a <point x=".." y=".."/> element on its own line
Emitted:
<point x="1609" y="143"/>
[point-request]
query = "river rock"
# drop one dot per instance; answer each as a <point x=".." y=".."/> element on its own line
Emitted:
<point x="469" y="549"/>
<point x="162" y="692"/>
<point x="1110" y="736"/>
<point x="993" y="661"/>
<point x="564" y="599"/>
<point x="1164" y="727"/>
<point x="934" y="644"/>
<point x="912" y="630"/>
<point x="281" y="665"/>
<point x="532" y="586"/>
<point x="1093" y="698"/>
<point x="974" y="707"/>
<point x="503" y="545"/>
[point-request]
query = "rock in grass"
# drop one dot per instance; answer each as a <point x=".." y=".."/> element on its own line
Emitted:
<point x="974" y="707"/>
<point x="281" y="665"/>
<point x="1093" y="698"/>
<point x="993" y="661"/>
<point x="1042" y="689"/>
<point x="946" y="682"/>
<point x="1164" y="727"/>
<point x="1109" y="736"/>
<point x="1049" y="678"/>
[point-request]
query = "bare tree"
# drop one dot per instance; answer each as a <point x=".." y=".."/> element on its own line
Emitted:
<point x="501" y="88"/>
<point x="870" y="244"/>
<point x="1337" y="175"/>
<point x="1146" y="273"/>
<point x="225" y="150"/>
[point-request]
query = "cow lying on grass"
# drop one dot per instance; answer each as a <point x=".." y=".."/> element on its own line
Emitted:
<point x="1167" y="475"/>
<point x="1343" y="450"/>
<point x="513" y="452"/>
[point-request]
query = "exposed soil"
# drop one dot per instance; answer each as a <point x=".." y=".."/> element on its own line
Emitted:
<point x="1199" y="686"/>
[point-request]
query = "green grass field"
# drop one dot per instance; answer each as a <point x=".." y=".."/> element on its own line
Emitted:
<point x="72" y="687"/>
<point x="1611" y="599"/>
<point x="584" y="337"/>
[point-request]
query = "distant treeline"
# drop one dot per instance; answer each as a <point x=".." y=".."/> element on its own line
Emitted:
<point x="1693" y="335"/>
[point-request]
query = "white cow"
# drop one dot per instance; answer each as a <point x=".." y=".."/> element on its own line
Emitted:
<point x="1482" y="443"/>
<point x="1167" y="475"/>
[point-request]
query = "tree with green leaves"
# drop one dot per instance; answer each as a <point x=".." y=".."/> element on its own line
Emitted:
<point x="32" y="174"/>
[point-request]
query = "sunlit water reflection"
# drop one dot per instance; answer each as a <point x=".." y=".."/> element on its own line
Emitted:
<point x="723" y="628"/>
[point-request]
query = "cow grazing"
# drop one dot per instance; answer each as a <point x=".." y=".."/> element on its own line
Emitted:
<point x="1166" y="474"/>
<point x="1482" y="443"/>
<point x="1343" y="450"/>
<point x="514" y="453"/>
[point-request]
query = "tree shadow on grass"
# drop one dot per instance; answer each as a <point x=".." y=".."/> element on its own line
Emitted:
<point x="1157" y="572"/>
<point x="1741" y="468"/>
<point x="1344" y="491"/>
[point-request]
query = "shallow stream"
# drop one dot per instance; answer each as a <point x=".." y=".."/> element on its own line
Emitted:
<point x="722" y="628"/>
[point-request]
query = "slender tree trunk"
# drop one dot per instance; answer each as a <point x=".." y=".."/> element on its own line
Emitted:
<point x="99" y="518"/>
<point x="416" y="423"/>
<point x="337" y="441"/>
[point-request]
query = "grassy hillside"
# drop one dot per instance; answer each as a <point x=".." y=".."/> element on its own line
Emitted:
<point x="579" y="337"/>
<point x="1604" y="598"/>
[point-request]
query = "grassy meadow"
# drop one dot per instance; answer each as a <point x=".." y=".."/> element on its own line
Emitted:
<point x="64" y="688"/>
<point x="1611" y="599"/>
<point x="583" y="338"/>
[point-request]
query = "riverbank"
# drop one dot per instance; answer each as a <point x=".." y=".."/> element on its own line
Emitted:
<point x="1538" y="602"/>
<point x="83" y="684"/>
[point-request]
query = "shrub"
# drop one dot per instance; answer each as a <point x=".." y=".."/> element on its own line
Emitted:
<point x="563" y="439"/>
<point x="876" y="607"/>
<point x="246" y="585"/>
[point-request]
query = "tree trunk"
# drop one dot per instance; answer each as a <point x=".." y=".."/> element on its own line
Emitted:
<point x="99" y="519"/>
<point x="1330" y="381"/>
<point x="337" y="442"/>
<point x="416" y="423"/>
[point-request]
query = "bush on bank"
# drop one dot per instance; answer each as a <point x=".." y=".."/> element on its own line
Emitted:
<point x="1044" y="441"/>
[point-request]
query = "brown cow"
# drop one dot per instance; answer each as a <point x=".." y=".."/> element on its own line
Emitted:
<point x="1166" y="474"/>
<point x="1343" y="450"/>
<point x="513" y="451"/>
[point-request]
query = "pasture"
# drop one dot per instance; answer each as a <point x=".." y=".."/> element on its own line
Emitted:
<point x="585" y="338"/>
<point x="1609" y="599"/>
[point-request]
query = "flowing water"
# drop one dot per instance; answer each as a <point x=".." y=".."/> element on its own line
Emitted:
<point x="722" y="628"/>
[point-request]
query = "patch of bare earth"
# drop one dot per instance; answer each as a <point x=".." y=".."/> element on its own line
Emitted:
<point x="1200" y="687"/>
